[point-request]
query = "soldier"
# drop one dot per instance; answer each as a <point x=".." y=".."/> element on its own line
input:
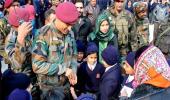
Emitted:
<point x="123" y="25"/>
<point x="142" y="24"/>
<point x="18" y="45"/>
<point x="4" y="31"/>
<point x="54" y="52"/>
<point x="161" y="28"/>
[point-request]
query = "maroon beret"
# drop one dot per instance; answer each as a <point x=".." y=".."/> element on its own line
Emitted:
<point x="8" y="3"/>
<point x="16" y="15"/>
<point x="67" y="12"/>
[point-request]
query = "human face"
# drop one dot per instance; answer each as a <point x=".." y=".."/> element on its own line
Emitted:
<point x="129" y="3"/>
<point x="80" y="8"/>
<point x="52" y="17"/>
<point x="119" y="5"/>
<point x="142" y="15"/>
<point x="16" y="4"/>
<point x="80" y="56"/>
<point x="164" y="1"/>
<point x="62" y="27"/>
<point x="92" y="58"/>
<point x="128" y="69"/>
<point x="93" y="3"/>
<point x="55" y="2"/>
<point x="104" y="27"/>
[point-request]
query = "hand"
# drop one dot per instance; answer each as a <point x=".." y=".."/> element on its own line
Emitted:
<point x="23" y="30"/>
<point x="124" y="93"/>
<point x="73" y="79"/>
<point x="29" y="88"/>
<point x="73" y="93"/>
<point x="71" y="76"/>
<point x="68" y="71"/>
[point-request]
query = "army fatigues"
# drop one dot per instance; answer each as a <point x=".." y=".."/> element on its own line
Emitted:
<point x="20" y="58"/>
<point x="4" y="31"/>
<point x="52" y="54"/>
<point x="124" y="26"/>
<point x="162" y="29"/>
<point x="142" y="25"/>
<point x="162" y="35"/>
<point x="142" y="30"/>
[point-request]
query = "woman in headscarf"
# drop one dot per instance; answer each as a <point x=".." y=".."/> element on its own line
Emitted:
<point x="152" y="72"/>
<point x="103" y="34"/>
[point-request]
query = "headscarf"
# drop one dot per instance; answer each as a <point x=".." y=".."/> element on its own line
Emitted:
<point x="152" y="68"/>
<point x="99" y="35"/>
<point x="103" y="38"/>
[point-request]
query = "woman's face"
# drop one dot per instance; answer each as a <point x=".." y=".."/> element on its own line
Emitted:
<point x="92" y="58"/>
<point x="104" y="27"/>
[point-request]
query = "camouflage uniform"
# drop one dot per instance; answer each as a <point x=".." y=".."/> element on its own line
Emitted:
<point x="142" y="25"/>
<point x="124" y="26"/>
<point x="142" y="35"/>
<point x="162" y="30"/>
<point x="4" y="31"/>
<point x="20" y="58"/>
<point x="52" y="54"/>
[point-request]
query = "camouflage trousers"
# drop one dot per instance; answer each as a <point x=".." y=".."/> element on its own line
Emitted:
<point x="56" y="92"/>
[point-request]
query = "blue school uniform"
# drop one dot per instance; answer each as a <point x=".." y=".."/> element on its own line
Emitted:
<point x="88" y="80"/>
<point x="110" y="83"/>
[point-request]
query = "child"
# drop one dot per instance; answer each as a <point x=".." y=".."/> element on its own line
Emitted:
<point x="80" y="52"/>
<point x="90" y="71"/>
<point x="16" y="86"/>
<point x="128" y="66"/>
<point x="111" y="79"/>
<point x="19" y="94"/>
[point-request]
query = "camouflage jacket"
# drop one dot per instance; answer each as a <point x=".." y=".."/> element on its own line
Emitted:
<point x="20" y="56"/>
<point x="162" y="35"/>
<point x="4" y="31"/>
<point x="142" y="30"/>
<point x="52" y="53"/>
<point x="123" y="25"/>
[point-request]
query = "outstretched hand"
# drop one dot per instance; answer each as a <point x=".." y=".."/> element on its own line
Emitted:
<point x="71" y="76"/>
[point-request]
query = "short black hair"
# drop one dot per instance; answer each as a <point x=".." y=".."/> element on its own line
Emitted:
<point x="54" y="94"/>
<point x="48" y="12"/>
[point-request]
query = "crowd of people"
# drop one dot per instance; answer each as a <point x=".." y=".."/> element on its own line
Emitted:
<point x="84" y="49"/>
